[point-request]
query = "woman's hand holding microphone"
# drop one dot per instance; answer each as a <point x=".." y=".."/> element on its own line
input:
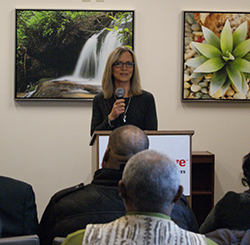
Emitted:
<point x="117" y="110"/>
<point x="118" y="106"/>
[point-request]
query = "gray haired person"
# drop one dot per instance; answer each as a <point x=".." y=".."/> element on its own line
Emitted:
<point x="150" y="186"/>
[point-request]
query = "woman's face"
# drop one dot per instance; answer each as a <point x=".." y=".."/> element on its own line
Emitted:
<point x="123" y="74"/>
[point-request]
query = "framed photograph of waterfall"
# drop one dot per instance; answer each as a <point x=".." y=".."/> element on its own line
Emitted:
<point x="61" y="54"/>
<point x="216" y="56"/>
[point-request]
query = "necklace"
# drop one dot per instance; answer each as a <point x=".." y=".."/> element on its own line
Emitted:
<point x="125" y="112"/>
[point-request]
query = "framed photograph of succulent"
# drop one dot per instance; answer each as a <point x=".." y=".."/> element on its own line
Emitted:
<point x="61" y="54"/>
<point x="216" y="56"/>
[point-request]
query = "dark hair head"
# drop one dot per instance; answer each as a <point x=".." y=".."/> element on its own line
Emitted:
<point x="246" y="170"/>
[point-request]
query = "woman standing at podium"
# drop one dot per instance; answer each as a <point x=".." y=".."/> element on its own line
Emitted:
<point x="122" y="100"/>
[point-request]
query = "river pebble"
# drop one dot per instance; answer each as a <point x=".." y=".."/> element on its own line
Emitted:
<point x="186" y="93"/>
<point x="195" y="27"/>
<point x="230" y="92"/>
<point x="195" y="87"/>
<point x="239" y="96"/>
<point x="187" y="85"/>
<point x="189" y="54"/>
<point x="186" y="77"/>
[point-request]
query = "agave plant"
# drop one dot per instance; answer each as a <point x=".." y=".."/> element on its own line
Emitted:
<point x="226" y="57"/>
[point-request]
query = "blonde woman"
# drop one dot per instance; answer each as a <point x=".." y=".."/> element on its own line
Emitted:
<point x="136" y="106"/>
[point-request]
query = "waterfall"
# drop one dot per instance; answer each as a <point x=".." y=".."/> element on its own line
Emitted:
<point x="86" y="66"/>
<point x="90" y="65"/>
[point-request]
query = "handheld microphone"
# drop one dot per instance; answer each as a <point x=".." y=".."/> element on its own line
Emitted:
<point x="119" y="92"/>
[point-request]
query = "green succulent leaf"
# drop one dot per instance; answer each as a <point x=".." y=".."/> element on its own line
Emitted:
<point x="217" y="80"/>
<point x="206" y="50"/>
<point x="247" y="57"/>
<point x="210" y="37"/>
<point x="235" y="77"/>
<point x="226" y="38"/>
<point x="194" y="47"/>
<point x="197" y="61"/>
<point x="211" y="65"/>
<point x="242" y="49"/>
<point x="240" y="34"/>
<point x="198" y="74"/>
<point x="241" y="65"/>
<point x="244" y="84"/>
<point x="228" y="56"/>
<point x="225" y="86"/>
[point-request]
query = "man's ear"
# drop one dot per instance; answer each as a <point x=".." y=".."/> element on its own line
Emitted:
<point x="106" y="157"/>
<point x="122" y="189"/>
<point x="178" y="194"/>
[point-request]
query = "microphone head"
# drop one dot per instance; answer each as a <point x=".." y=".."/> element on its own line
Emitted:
<point x="119" y="92"/>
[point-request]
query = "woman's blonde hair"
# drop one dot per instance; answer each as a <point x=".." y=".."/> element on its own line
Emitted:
<point x="108" y="80"/>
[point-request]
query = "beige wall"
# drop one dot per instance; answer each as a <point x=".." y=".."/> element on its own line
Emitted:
<point x="47" y="143"/>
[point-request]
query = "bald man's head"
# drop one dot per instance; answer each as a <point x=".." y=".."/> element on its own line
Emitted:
<point x="124" y="142"/>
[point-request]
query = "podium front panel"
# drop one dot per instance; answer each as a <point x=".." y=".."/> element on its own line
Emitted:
<point x="176" y="146"/>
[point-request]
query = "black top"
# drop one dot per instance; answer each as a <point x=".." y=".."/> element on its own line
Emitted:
<point x="18" y="214"/>
<point x="232" y="212"/>
<point x="141" y="112"/>
<point x="73" y="208"/>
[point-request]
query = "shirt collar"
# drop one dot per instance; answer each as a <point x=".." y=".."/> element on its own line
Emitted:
<point x="159" y="215"/>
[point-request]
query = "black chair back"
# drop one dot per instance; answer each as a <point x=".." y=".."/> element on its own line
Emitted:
<point x="20" y="240"/>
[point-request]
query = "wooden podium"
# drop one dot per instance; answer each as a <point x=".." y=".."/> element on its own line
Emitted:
<point x="177" y="144"/>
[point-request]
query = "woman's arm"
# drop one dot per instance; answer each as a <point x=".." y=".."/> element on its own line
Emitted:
<point x="151" y="122"/>
<point x="99" y="119"/>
